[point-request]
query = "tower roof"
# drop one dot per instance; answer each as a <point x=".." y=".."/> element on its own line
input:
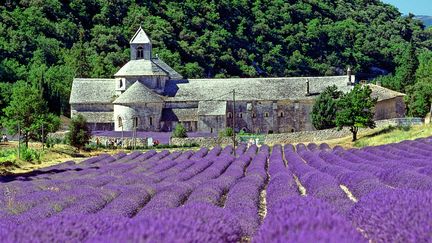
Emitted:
<point x="140" y="37"/>
<point x="138" y="93"/>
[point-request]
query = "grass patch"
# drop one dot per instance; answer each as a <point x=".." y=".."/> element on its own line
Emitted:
<point x="394" y="135"/>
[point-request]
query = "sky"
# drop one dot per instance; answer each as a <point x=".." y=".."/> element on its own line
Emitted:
<point x="417" y="7"/>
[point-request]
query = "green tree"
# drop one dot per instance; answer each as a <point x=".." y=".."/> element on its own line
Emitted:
<point x="79" y="133"/>
<point x="28" y="111"/>
<point x="419" y="98"/>
<point x="355" y="110"/>
<point x="325" y="107"/>
<point x="179" y="131"/>
<point x="419" y="95"/>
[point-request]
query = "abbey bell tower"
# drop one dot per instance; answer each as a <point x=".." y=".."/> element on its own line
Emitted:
<point x="140" y="45"/>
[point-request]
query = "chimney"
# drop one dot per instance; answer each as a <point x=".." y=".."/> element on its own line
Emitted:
<point x="349" y="74"/>
<point x="307" y="87"/>
<point x="378" y="82"/>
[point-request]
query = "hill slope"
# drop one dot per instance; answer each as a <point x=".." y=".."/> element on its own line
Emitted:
<point x="50" y="42"/>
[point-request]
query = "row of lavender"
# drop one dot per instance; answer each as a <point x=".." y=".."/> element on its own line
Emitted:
<point x="287" y="194"/>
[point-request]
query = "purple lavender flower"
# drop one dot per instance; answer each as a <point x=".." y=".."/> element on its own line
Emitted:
<point x="305" y="219"/>
<point x="395" y="216"/>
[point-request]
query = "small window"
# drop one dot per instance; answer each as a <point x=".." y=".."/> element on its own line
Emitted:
<point x="158" y="83"/>
<point x="151" y="121"/>
<point x="281" y="114"/>
<point x="229" y="115"/>
<point x="253" y="115"/>
<point x="120" y="122"/>
<point x="140" y="53"/>
<point x="266" y="114"/>
<point x="211" y="130"/>
<point x="135" y="122"/>
<point x="121" y="83"/>
<point x="240" y="115"/>
<point x="292" y="130"/>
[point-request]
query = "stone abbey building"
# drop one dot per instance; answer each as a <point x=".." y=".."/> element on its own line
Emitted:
<point x="148" y="95"/>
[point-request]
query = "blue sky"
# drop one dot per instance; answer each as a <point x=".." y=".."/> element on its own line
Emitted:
<point x="417" y="7"/>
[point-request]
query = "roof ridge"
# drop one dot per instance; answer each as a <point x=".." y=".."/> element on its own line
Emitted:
<point x="167" y="73"/>
<point x="146" y="38"/>
<point x="145" y="95"/>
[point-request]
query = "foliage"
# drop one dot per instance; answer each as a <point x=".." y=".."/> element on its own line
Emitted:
<point x="325" y="107"/>
<point x="8" y="155"/>
<point x="30" y="155"/>
<point x="227" y="132"/>
<point x="27" y="110"/>
<point x="419" y="98"/>
<point x="79" y="133"/>
<point x="419" y="95"/>
<point x="51" y="42"/>
<point x="355" y="110"/>
<point x="179" y="131"/>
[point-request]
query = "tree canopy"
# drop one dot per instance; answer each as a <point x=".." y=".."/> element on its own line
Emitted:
<point x="28" y="112"/>
<point x="325" y="108"/>
<point x="356" y="110"/>
<point x="51" y="42"/>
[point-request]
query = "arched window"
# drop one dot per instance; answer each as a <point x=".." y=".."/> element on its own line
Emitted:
<point x="120" y="122"/>
<point x="151" y="121"/>
<point x="281" y="114"/>
<point x="135" y="122"/>
<point x="229" y="115"/>
<point x="266" y="114"/>
<point x="253" y="115"/>
<point x="140" y="53"/>
<point x="240" y="115"/>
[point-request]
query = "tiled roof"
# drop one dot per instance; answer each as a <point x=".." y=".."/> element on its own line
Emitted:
<point x="91" y="91"/>
<point x="138" y="93"/>
<point x="141" y="67"/>
<point x="252" y="88"/>
<point x="383" y="93"/>
<point x="140" y="37"/>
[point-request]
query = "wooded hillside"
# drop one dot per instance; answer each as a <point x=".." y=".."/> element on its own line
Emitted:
<point x="47" y="43"/>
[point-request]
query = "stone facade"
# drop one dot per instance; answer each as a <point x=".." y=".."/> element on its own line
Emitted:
<point x="148" y="95"/>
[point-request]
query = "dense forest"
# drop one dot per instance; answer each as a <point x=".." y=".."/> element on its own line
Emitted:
<point x="48" y="43"/>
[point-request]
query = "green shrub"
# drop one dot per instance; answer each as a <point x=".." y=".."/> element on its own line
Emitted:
<point x="79" y="134"/>
<point x="179" y="131"/>
<point x="51" y="141"/>
<point x="30" y="155"/>
<point x="227" y="132"/>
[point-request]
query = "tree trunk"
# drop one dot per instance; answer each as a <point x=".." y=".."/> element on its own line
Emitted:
<point x="26" y="139"/>
<point x="354" y="132"/>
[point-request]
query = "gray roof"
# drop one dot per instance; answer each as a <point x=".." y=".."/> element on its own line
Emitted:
<point x="140" y="67"/>
<point x="212" y="108"/>
<point x="177" y="114"/>
<point x="252" y="88"/>
<point x="138" y="93"/>
<point x="173" y="74"/>
<point x="92" y="91"/>
<point x="98" y="117"/>
<point x="383" y="93"/>
<point x="140" y="37"/>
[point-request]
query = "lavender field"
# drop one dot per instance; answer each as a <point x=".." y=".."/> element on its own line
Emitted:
<point x="281" y="194"/>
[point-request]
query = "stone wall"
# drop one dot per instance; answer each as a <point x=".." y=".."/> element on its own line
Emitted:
<point x="282" y="138"/>
<point x="114" y="141"/>
<point x="207" y="142"/>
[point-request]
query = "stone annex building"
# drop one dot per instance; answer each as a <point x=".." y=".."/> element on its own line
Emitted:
<point x="148" y="95"/>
